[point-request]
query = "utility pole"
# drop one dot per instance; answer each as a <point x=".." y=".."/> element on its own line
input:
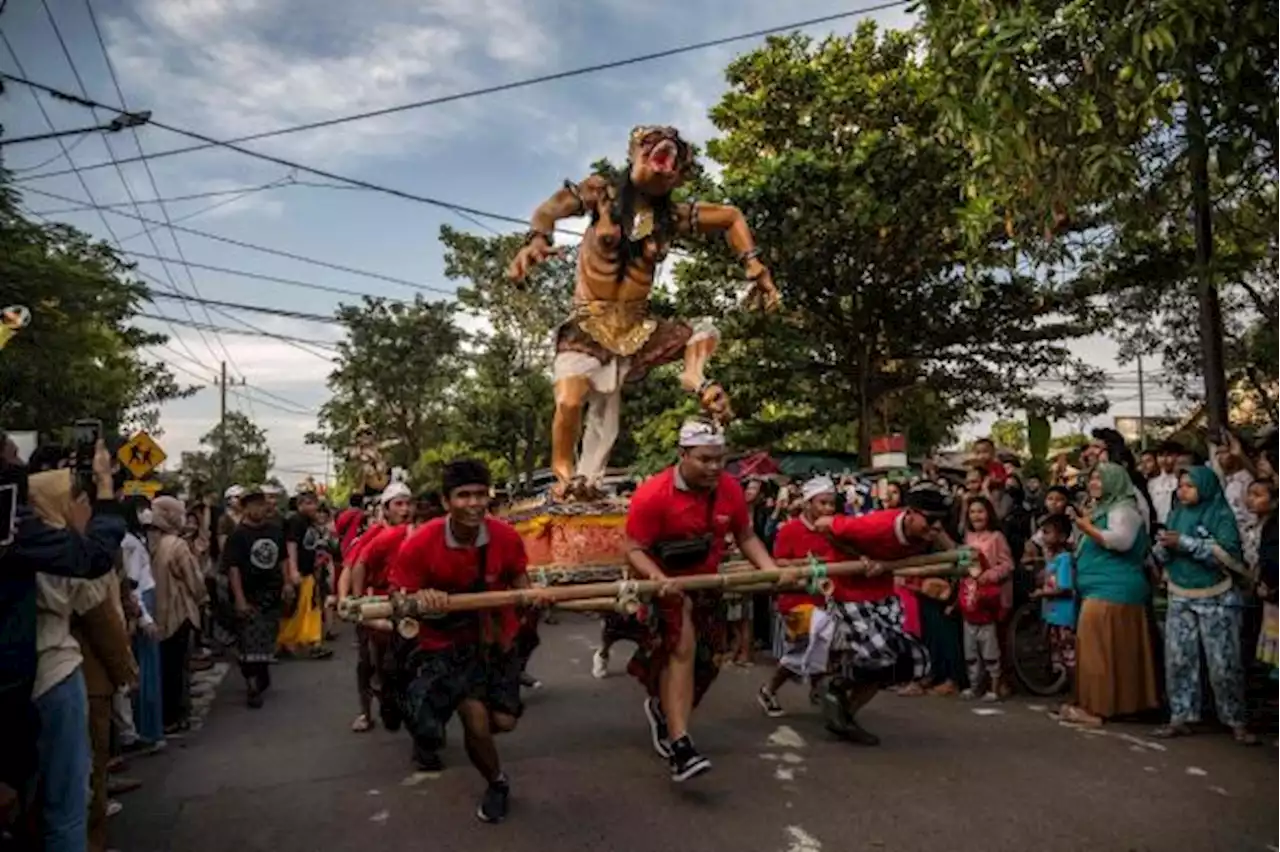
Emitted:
<point x="1215" y="380"/>
<point x="224" y="450"/>
<point x="1142" y="409"/>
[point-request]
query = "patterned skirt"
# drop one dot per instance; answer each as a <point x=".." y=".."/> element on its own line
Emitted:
<point x="257" y="635"/>
<point x="873" y="643"/>
<point x="664" y="623"/>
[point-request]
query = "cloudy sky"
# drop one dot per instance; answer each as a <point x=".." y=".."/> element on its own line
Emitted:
<point x="230" y="68"/>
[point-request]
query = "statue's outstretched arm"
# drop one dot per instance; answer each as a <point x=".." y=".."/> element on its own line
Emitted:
<point x="701" y="218"/>
<point x="573" y="199"/>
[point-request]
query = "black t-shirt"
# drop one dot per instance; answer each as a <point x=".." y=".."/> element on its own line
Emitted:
<point x="257" y="551"/>
<point x="299" y="530"/>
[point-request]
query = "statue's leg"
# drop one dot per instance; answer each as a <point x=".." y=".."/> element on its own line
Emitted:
<point x="699" y="349"/>
<point x="603" y="413"/>
<point x="571" y="392"/>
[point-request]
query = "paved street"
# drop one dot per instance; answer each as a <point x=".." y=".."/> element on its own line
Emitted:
<point x="949" y="776"/>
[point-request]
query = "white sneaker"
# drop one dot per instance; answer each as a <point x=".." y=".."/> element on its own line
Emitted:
<point x="599" y="665"/>
<point x="991" y="698"/>
<point x="967" y="694"/>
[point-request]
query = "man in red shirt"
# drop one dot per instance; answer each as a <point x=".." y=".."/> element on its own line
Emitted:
<point x="464" y="661"/>
<point x="370" y="558"/>
<point x="678" y="524"/>
<point x="804" y="615"/>
<point x="874" y="650"/>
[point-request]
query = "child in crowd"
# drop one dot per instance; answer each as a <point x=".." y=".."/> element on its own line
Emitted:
<point x="1057" y="591"/>
<point x="986" y="596"/>
<point x="1260" y="554"/>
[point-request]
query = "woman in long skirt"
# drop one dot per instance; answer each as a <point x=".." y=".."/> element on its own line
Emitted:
<point x="148" y="715"/>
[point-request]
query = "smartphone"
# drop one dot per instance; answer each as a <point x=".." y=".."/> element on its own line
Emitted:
<point x="8" y="513"/>
<point x="84" y="438"/>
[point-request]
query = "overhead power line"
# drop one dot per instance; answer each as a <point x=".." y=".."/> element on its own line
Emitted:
<point x="225" y="330"/>
<point x="511" y="85"/>
<point x="337" y="267"/>
<point x="258" y="276"/>
<point x="258" y="309"/>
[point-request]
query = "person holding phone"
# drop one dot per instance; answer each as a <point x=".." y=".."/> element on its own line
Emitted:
<point x="36" y="546"/>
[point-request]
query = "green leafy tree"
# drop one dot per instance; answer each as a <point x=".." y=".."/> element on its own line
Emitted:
<point x="832" y="151"/>
<point x="396" y="373"/>
<point x="79" y="357"/>
<point x="238" y="453"/>
<point x="1122" y="119"/>
<point x="1010" y="435"/>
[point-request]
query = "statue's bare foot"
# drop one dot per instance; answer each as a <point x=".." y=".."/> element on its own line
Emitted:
<point x="576" y="490"/>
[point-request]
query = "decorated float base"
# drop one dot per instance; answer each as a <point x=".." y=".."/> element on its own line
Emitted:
<point x="572" y="535"/>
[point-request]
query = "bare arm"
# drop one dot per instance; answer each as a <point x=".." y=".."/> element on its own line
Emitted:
<point x="237" y="588"/>
<point x="291" y="574"/>
<point x="356" y="581"/>
<point x="643" y="563"/>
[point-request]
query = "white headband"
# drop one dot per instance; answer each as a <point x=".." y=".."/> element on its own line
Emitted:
<point x="817" y="485"/>
<point x="699" y="433"/>
<point x="395" y="491"/>
<point x="233" y="492"/>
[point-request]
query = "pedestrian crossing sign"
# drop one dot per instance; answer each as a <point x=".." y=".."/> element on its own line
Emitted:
<point x="141" y="455"/>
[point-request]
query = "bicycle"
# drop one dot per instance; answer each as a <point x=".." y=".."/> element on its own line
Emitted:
<point x="1031" y="650"/>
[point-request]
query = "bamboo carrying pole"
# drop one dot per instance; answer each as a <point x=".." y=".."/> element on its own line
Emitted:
<point x="621" y="593"/>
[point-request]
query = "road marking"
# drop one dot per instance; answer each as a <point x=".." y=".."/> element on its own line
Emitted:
<point x="786" y="757"/>
<point x="801" y="840"/>
<point x="786" y="737"/>
<point x="1220" y="791"/>
<point x="1148" y="769"/>
<point x="1037" y="708"/>
<point x="782" y="773"/>
<point x="380" y="817"/>
<point x="986" y="711"/>
<point x="373" y="793"/>
<point x="418" y="777"/>
<point x="1139" y="741"/>
<point x="1197" y="771"/>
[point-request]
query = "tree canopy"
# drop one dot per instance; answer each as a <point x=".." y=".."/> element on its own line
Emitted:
<point x="242" y="456"/>
<point x="80" y="356"/>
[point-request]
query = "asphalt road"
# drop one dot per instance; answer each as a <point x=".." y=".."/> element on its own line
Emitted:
<point x="949" y="776"/>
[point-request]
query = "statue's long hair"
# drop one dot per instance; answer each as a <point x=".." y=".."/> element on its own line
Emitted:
<point x="624" y="213"/>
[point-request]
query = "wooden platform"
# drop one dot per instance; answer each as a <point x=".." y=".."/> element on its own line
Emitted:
<point x="572" y="533"/>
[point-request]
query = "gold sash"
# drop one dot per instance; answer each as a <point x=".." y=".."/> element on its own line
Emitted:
<point x="620" y="327"/>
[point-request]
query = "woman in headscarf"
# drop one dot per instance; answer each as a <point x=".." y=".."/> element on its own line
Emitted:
<point x="148" y="715"/>
<point x="83" y="660"/>
<point x="1200" y="551"/>
<point x="179" y="593"/>
<point x="1115" y="669"/>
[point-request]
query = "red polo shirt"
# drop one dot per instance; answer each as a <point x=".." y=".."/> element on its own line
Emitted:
<point x="665" y="509"/>
<point x="377" y="554"/>
<point x="797" y="540"/>
<point x="432" y="558"/>
<point x="879" y="536"/>
<point x="362" y="541"/>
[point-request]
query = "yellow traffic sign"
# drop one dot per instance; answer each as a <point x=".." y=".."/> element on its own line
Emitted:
<point x="141" y="455"/>
<point x="148" y="488"/>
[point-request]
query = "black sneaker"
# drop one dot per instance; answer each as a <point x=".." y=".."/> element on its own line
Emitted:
<point x="768" y="702"/>
<point x="427" y="761"/>
<point x="493" y="805"/>
<point x="658" y="728"/>
<point x="855" y="733"/>
<point x="686" y="763"/>
<point x="254" y="698"/>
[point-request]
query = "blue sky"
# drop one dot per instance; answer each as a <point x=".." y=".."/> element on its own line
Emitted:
<point x="228" y="68"/>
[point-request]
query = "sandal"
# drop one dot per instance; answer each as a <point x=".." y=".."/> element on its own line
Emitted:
<point x="1171" y="731"/>
<point x="1078" y="716"/>
<point x="362" y="724"/>
<point x="1242" y="736"/>
<point x="947" y="687"/>
<point x="911" y="690"/>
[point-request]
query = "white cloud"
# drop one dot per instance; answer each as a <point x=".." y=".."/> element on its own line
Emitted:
<point x="241" y="67"/>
